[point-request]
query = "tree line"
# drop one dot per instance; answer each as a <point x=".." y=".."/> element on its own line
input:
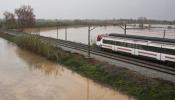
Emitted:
<point x="21" y="18"/>
<point x="24" y="17"/>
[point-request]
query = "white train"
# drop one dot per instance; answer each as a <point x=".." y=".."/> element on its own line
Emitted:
<point x="158" y="48"/>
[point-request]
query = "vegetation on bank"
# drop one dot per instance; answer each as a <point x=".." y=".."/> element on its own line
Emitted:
<point x="121" y="79"/>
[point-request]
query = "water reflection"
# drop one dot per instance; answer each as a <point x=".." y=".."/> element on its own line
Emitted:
<point x="26" y="76"/>
<point x="51" y="69"/>
<point x="37" y="63"/>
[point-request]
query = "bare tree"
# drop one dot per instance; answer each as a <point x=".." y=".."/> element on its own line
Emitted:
<point x="25" y="15"/>
<point x="10" y="21"/>
<point x="142" y="21"/>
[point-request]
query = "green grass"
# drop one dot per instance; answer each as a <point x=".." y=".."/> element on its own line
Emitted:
<point x="121" y="79"/>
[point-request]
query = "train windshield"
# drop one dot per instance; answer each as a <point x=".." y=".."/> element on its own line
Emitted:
<point x="99" y="37"/>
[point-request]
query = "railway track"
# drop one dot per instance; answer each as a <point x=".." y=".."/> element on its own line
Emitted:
<point x="96" y="51"/>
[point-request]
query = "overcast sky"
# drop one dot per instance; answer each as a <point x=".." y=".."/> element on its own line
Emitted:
<point x="95" y="9"/>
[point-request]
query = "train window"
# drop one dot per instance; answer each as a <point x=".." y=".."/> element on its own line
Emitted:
<point x="125" y="44"/>
<point x="130" y="45"/>
<point x="156" y="49"/>
<point x="108" y="42"/>
<point x="141" y="47"/>
<point x="105" y="41"/>
<point x="149" y="48"/>
<point x="168" y="51"/>
<point x="119" y="43"/>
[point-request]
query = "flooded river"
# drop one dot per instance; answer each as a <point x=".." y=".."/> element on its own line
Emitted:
<point x="26" y="76"/>
<point x="80" y="34"/>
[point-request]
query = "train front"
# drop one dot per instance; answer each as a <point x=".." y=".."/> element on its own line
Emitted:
<point x="99" y="39"/>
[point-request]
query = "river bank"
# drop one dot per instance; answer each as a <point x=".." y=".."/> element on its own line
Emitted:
<point x="126" y="81"/>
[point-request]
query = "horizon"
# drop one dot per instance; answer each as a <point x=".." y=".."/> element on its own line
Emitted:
<point x="99" y="10"/>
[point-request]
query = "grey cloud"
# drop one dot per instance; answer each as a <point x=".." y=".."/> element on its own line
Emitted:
<point x="95" y="9"/>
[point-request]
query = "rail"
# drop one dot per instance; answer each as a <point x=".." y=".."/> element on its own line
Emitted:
<point x="96" y="51"/>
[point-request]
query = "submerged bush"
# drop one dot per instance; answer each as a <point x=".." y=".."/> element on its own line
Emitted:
<point x="35" y="44"/>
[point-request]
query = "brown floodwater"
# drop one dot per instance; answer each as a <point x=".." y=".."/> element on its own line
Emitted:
<point x="26" y="76"/>
<point x="80" y="34"/>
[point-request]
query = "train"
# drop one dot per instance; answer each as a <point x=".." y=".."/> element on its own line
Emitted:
<point x="162" y="49"/>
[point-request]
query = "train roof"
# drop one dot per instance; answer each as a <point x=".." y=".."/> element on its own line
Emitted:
<point x="157" y="39"/>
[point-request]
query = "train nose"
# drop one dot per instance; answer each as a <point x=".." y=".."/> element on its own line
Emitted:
<point x="99" y="37"/>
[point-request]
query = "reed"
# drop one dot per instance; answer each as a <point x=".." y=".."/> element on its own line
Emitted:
<point x="34" y="44"/>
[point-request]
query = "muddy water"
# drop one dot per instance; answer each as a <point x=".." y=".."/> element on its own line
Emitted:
<point x="26" y="76"/>
<point x="80" y="34"/>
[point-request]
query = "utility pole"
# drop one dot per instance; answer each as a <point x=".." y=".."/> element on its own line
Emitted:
<point x="66" y="33"/>
<point x="125" y="30"/>
<point x="89" y="39"/>
<point x="164" y="34"/>
<point x="164" y="31"/>
<point x="89" y="32"/>
<point x="57" y="31"/>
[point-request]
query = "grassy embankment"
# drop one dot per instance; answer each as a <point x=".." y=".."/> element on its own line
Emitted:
<point x="121" y="79"/>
